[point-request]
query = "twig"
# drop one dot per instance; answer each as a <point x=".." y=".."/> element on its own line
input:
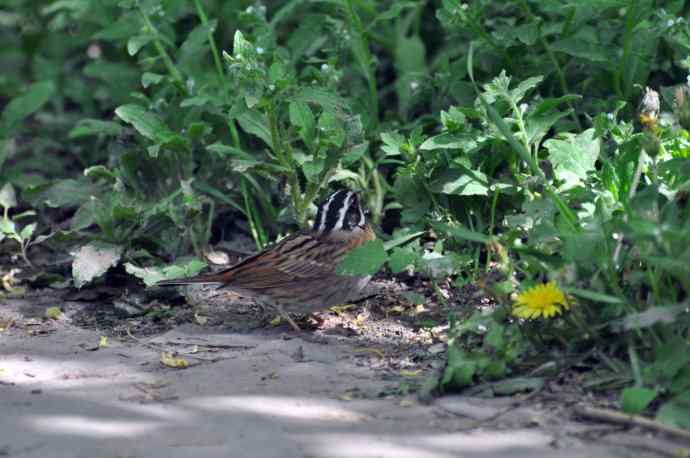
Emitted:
<point x="502" y="412"/>
<point x="613" y="416"/>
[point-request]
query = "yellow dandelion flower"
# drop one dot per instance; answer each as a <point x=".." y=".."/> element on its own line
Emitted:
<point x="545" y="300"/>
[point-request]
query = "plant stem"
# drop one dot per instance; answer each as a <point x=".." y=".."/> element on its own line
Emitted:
<point x="163" y="54"/>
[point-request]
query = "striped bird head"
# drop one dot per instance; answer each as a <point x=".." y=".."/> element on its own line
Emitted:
<point x="340" y="212"/>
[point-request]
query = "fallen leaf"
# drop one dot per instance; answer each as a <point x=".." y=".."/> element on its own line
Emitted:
<point x="200" y="319"/>
<point x="407" y="373"/>
<point x="54" y="313"/>
<point x="169" y="360"/>
<point x="103" y="342"/>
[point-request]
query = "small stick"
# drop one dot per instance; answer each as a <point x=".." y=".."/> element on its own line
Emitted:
<point x="613" y="416"/>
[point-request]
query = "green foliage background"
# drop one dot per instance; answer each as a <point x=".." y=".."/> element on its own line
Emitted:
<point x="131" y="130"/>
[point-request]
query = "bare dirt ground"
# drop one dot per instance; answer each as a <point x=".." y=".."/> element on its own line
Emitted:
<point x="92" y="383"/>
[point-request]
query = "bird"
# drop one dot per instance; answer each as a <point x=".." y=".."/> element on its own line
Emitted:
<point x="298" y="273"/>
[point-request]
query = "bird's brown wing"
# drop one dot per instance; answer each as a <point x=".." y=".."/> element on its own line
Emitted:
<point x="298" y="257"/>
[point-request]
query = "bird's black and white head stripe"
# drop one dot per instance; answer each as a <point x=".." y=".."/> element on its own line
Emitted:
<point x="340" y="211"/>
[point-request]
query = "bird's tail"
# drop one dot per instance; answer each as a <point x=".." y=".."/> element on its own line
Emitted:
<point x="210" y="279"/>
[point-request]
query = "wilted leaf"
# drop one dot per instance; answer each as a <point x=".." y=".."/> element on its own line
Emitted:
<point x="54" y="313"/>
<point x="167" y="359"/>
<point x="93" y="260"/>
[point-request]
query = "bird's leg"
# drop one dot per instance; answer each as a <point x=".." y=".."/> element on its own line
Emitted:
<point x="285" y="315"/>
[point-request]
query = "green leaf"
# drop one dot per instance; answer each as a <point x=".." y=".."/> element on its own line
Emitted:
<point x="577" y="47"/>
<point x="451" y="140"/>
<point x="364" y="260"/>
<point x="24" y="105"/>
<point x="149" y="79"/>
<point x="461" y="182"/>
<point x="636" y="399"/>
<point x="401" y="258"/>
<point x="676" y="412"/>
<point x="93" y="260"/>
<point x="328" y="100"/>
<point x="302" y="117"/>
<point x="152" y="275"/>
<point x="92" y="127"/>
<point x="574" y="156"/>
<point x="256" y="124"/>
<point x="460" y="369"/>
<point x="462" y="232"/>
<point x="146" y="123"/>
<point x="8" y="198"/>
<point x="27" y="231"/>
<point x="137" y="42"/>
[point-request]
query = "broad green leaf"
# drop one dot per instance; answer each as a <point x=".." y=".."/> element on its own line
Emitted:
<point x="302" y="117"/>
<point x="364" y="260"/>
<point x="145" y="122"/>
<point x="137" y="42"/>
<point x="451" y="140"/>
<point x="328" y="100"/>
<point x="93" y="260"/>
<point x="8" y="198"/>
<point x="256" y="124"/>
<point x="64" y="193"/>
<point x="460" y="370"/>
<point x="676" y="412"/>
<point x="636" y="399"/>
<point x="27" y="231"/>
<point x="462" y="232"/>
<point x="576" y="47"/>
<point x="461" y="182"/>
<point x="24" y="105"/>
<point x="573" y="156"/>
<point x="401" y="258"/>
<point x="392" y="142"/>
<point x="149" y="79"/>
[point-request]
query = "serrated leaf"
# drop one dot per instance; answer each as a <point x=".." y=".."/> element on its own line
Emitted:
<point x="634" y="400"/>
<point x="363" y="260"/>
<point x="93" y="260"/>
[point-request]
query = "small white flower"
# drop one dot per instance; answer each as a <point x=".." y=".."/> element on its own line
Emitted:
<point x="670" y="23"/>
<point x="271" y="87"/>
<point x="414" y="85"/>
<point x="464" y="6"/>
<point x="249" y="10"/>
<point x="611" y="117"/>
<point x="523" y="108"/>
<point x="259" y="50"/>
<point x="324" y="67"/>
